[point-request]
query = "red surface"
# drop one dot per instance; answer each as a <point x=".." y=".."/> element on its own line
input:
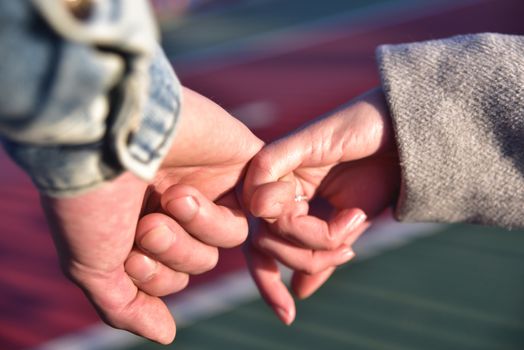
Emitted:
<point x="308" y="82"/>
<point x="37" y="303"/>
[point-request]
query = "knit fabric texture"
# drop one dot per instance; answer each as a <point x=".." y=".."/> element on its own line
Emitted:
<point x="457" y="106"/>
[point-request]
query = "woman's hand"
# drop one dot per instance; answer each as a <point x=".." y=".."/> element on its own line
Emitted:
<point x="348" y="158"/>
<point x="124" y="268"/>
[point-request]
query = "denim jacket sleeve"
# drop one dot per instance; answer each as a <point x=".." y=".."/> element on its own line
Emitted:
<point x="85" y="93"/>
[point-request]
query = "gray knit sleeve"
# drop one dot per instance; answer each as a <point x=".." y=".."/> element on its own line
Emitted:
<point x="458" y="112"/>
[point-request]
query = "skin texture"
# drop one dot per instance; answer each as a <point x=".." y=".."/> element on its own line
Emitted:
<point x="122" y="264"/>
<point x="349" y="159"/>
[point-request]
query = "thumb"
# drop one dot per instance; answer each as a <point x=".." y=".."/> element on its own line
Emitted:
<point x="272" y="199"/>
<point x="274" y="162"/>
<point x="122" y="305"/>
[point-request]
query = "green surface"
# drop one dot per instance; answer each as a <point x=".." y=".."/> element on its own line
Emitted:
<point x="459" y="289"/>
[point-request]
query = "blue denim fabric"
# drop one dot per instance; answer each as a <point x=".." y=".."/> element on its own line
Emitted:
<point x="83" y="100"/>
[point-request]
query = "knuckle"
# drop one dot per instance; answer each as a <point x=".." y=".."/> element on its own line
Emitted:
<point x="310" y="268"/>
<point x="310" y="265"/>
<point x="332" y="241"/>
<point x="80" y="274"/>
<point x="112" y="304"/>
<point x="332" y="244"/>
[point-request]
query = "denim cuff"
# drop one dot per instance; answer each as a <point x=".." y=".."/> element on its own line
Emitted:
<point x="91" y="98"/>
<point x="137" y="139"/>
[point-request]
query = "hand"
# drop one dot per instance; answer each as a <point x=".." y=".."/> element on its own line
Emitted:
<point x="348" y="158"/>
<point x="95" y="233"/>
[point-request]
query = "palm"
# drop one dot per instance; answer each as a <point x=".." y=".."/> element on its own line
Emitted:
<point x="369" y="184"/>
<point x="212" y="180"/>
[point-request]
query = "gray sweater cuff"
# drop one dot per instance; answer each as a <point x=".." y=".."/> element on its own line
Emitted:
<point x="458" y="112"/>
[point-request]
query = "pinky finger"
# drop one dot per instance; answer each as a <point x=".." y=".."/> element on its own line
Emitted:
<point x="267" y="277"/>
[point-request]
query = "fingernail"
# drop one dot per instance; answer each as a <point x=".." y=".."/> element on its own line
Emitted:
<point x="346" y="254"/>
<point x="183" y="209"/>
<point x="284" y="315"/>
<point x="356" y="221"/>
<point x="158" y="240"/>
<point x="141" y="268"/>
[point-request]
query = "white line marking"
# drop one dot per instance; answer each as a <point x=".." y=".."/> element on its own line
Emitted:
<point x="231" y="291"/>
<point x="389" y="234"/>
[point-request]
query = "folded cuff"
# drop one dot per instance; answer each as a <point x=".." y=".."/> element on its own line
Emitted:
<point x="140" y="130"/>
<point x="458" y="113"/>
<point x="93" y="97"/>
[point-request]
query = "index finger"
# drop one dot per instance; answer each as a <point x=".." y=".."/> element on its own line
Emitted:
<point x="272" y="163"/>
<point x="266" y="274"/>
<point x="216" y="225"/>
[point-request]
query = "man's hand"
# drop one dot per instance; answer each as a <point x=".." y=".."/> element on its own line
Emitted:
<point x="348" y="158"/>
<point x="124" y="268"/>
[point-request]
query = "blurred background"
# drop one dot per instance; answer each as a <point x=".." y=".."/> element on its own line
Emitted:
<point x="275" y="65"/>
